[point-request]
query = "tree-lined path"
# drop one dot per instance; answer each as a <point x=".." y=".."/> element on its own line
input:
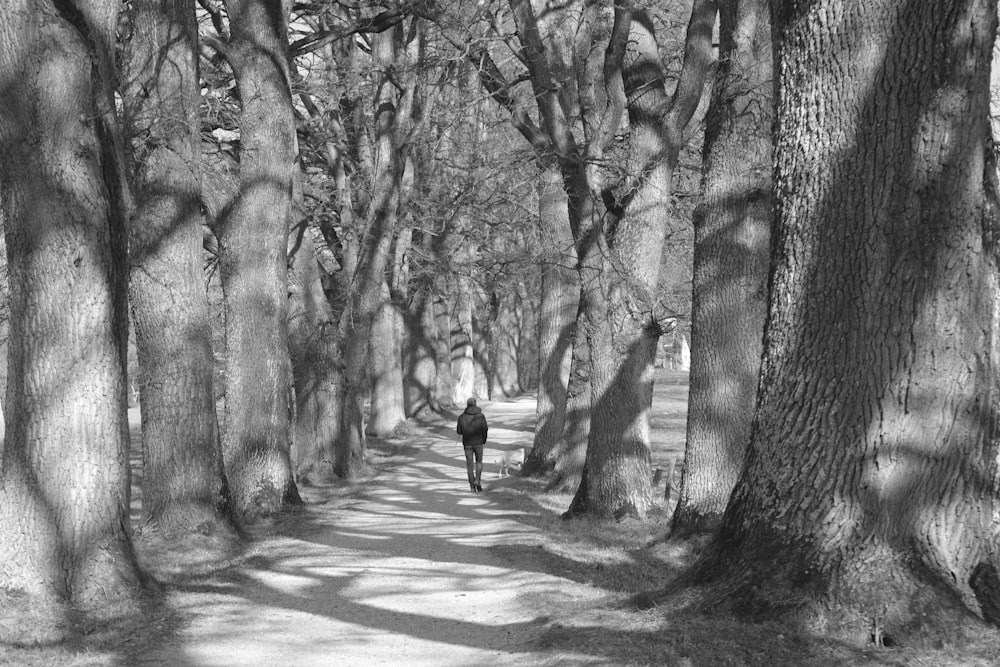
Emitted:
<point x="402" y="571"/>
<point x="287" y="230"/>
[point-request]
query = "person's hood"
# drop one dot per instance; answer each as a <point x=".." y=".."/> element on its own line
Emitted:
<point x="473" y="410"/>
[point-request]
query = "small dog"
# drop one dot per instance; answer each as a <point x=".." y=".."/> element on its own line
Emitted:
<point x="513" y="458"/>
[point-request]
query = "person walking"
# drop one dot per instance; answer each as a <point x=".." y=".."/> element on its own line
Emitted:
<point x="472" y="427"/>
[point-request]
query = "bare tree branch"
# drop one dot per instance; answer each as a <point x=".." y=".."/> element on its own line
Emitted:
<point x="375" y="24"/>
<point x="214" y="10"/>
<point x="494" y="82"/>
<point x="546" y="93"/>
<point x="698" y="60"/>
<point x="614" y="86"/>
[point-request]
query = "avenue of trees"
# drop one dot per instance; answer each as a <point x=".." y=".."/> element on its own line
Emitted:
<point x="321" y="219"/>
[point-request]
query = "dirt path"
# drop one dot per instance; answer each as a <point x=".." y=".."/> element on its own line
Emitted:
<point x="405" y="574"/>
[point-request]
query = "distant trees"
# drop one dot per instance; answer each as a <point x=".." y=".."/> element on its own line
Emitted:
<point x="419" y="175"/>
<point x="568" y="103"/>
<point x="581" y="91"/>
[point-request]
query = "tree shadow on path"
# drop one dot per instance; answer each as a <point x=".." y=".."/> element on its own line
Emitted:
<point x="402" y="565"/>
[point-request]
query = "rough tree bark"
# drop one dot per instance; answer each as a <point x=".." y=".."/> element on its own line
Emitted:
<point x="560" y="292"/>
<point x="441" y="310"/>
<point x="568" y="469"/>
<point x="527" y="332"/>
<point x="385" y="348"/>
<point x="732" y="230"/>
<point x="869" y="496"/>
<point x="414" y="286"/>
<point x="184" y="495"/>
<point x="391" y="49"/>
<point x="253" y="237"/>
<point x="463" y="368"/>
<point x="64" y="481"/>
<point x="386" y="344"/>
<point x="314" y="350"/>
<point x="420" y="382"/>
<point x="619" y="264"/>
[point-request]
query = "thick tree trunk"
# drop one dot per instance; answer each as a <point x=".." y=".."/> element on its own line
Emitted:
<point x="463" y="368"/>
<point x="527" y="339"/>
<point x="482" y="356"/>
<point x="559" y="298"/>
<point x="388" y="402"/>
<point x="64" y="489"/>
<point x="253" y="267"/>
<point x="442" y="347"/>
<point x="503" y="339"/>
<point x="731" y="259"/>
<point x="419" y="355"/>
<point x="385" y="345"/>
<point x="572" y="451"/>
<point x="420" y="338"/>
<point x="374" y="252"/>
<point x="315" y="356"/>
<point x="619" y="273"/>
<point x="870" y="489"/>
<point x="351" y="447"/>
<point x="184" y="495"/>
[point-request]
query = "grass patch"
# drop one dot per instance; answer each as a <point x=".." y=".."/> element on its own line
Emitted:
<point x="34" y="634"/>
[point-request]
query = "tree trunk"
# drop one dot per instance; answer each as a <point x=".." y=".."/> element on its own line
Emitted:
<point x="184" y="495"/>
<point x="572" y="452"/>
<point x="556" y="323"/>
<point x="869" y="493"/>
<point x="442" y="348"/>
<point x="527" y="328"/>
<point x="392" y="112"/>
<point x="731" y="259"/>
<point x="388" y="403"/>
<point x="619" y="269"/>
<point x="315" y="357"/>
<point x="64" y="495"/>
<point x="253" y="267"/>
<point x="385" y="345"/>
<point x="503" y="338"/>
<point x="482" y="358"/>
<point x="419" y="350"/>
<point x="463" y="369"/>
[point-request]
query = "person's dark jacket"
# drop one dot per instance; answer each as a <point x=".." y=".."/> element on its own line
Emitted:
<point x="472" y="426"/>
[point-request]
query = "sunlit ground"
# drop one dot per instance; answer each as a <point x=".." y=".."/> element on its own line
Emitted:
<point x="410" y="567"/>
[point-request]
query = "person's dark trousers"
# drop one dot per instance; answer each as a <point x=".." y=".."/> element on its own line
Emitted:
<point x="474" y="466"/>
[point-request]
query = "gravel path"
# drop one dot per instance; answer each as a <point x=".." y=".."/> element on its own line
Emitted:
<point x="404" y="575"/>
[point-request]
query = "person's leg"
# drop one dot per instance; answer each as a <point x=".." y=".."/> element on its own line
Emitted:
<point x="479" y="467"/>
<point x="469" y="461"/>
